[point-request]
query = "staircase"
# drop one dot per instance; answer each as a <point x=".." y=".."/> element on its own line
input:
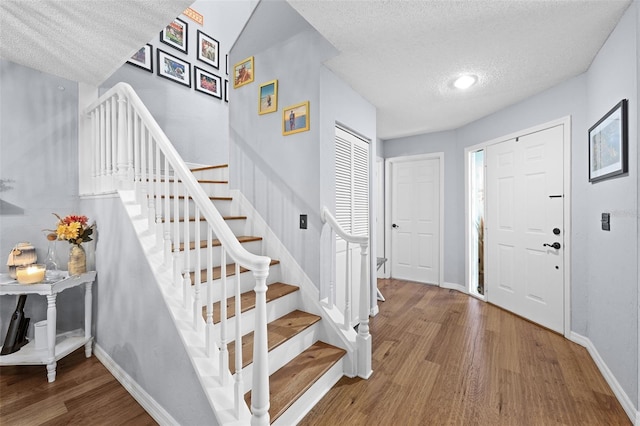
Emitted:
<point x="263" y="345"/>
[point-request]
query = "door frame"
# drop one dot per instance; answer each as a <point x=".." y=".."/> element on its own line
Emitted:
<point x="388" y="191"/>
<point x="566" y="123"/>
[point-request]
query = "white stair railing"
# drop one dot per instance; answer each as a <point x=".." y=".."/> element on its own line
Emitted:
<point x="129" y="150"/>
<point x="363" y="338"/>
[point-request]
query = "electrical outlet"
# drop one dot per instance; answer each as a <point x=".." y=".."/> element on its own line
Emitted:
<point x="303" y="221"/>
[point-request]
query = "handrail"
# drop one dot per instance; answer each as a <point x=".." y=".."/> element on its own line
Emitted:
<point x="363" y="337"/>
<point x="130" y="150"/>
<point x="327" y="217"/>
<point x="222" y="230"/>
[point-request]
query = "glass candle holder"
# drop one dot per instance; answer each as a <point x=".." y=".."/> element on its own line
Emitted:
<point x="30" y="274"/>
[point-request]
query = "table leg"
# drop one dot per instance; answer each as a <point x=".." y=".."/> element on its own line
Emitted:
<point x="87" y="318"/>
<point x="51" y="337"/>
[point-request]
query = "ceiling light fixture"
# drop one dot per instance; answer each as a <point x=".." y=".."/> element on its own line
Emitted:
<point x="465" y="81"/>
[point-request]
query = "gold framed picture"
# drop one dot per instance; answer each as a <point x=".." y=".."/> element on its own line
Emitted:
<point x="268" y="97"/>
<point x="243" y="72"/>
<point x="295" y="118"/>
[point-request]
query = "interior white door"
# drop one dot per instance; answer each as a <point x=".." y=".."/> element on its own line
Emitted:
<point x="525" y="229"/>
<point x="415" y="218"/>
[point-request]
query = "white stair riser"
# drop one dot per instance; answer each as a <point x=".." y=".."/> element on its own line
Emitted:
<point x="237" y="226"/>
<point x="219" y="173"/>
<point x="275" y="310"/>
<point x="223" y="206"/>
<point x="247" y="283"/>
<point x="212" y="189"/>
<point x="252" y="247"/>
<point x="284" y="353"/>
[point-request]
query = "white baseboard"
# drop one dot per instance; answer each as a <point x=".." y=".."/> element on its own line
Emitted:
<point x="155" y="410"/>
<point x="623" y="398"/>
<point x="454" y="286"/>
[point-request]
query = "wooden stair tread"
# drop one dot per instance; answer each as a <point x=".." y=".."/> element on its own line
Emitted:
<point x="216" y="242"/>
<point x="217" y="271"/>
<point x="193" y="219"/>
<point x="199" y="169"/>
<point x="198" y="180"/>
<point x="181" y="197"/>
<point x="248" y="300"/>
<point x="291" y="381"/>
<point x="278" y="332"/>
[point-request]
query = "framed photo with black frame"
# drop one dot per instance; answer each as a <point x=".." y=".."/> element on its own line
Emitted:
<point x="143" y="58"/>
<point x="608" y="144"/>
<point x="176" y="34"/>
<point x="208" y="50"/>
<point x="173" y="68"/>
<point x="206" y="82"/>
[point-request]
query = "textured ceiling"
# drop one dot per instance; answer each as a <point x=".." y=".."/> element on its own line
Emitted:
<point x="81" y="40"/>
<point x="403" y="55"/>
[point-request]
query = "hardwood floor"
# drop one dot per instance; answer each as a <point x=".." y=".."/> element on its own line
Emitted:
<point x="444" y="358"/>
<point x="84" y="393"/>
<point x="439" y="358"/>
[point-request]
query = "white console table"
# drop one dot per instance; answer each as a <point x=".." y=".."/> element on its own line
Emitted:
<point x="58" y="345"/>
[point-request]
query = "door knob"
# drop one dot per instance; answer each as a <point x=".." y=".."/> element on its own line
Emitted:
<point x="395" y="226"/>
<point x="555" y="245"/>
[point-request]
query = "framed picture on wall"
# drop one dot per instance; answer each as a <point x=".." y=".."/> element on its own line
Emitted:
<point x="608" y="144"/>
<point x="206" y="82"/>
<point x="176" y="34"/>
<point x="243" y="72"/>
<point x="174" y="69"/>
<point x="295" y="118"/>
<point x="208" y="50"/>
<point x="143" y="58"/>
<point x="226" y="90"/>
<point x="268" y="97"/>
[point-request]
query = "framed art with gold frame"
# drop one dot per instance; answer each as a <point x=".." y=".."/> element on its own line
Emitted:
<point x="268" y="97"/>
<point x="295" y="118"/>
<point x="243" y="72"/>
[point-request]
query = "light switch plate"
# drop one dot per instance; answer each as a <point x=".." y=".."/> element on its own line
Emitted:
<point x="303" y="221"/>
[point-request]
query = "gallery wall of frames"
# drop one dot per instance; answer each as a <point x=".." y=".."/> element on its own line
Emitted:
<point x="207" y="75"/>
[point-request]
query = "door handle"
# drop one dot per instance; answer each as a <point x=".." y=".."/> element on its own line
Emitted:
<point x="555" y="245"/>
<point x="395" y="226"/>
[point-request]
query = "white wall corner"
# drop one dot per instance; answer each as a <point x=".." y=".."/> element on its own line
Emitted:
<point x="621" y="395"/>
<point x="150" y="405"/>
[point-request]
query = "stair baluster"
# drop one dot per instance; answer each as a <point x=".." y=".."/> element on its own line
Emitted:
<point x="166" y="222"/>
<point x="239" y="383"/>
<point x="177" y="257"/>
<point x="157" y="182"/>
<point x="197" y="304"/>
<point x="224" y="352"/>
<point x="186" y="255"/>
<point x="209" y="338"/>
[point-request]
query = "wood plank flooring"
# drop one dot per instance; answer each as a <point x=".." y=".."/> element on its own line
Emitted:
<point x="84" y="393"/>
<point x="439" y="358"/>
<point x="444" y="358"/>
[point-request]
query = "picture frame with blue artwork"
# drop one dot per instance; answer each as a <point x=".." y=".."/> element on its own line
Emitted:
<point x="608" y="144"/>
<point x="173" y="68"/>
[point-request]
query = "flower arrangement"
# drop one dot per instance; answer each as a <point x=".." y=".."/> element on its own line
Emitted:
<point x="72" y="228"/>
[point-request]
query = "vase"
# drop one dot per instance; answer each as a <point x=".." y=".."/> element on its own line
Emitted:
<point x="77" y="260"/>
<point x="51" y="263"/>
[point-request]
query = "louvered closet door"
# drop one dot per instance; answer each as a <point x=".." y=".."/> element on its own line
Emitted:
<point x="352" y="211"/>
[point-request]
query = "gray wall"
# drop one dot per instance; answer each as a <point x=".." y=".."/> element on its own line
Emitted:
<point x="284" y="176"/>
<point x="39" y="154"/>
<point x="196" y="123"/>
<point x="604" y="265"/>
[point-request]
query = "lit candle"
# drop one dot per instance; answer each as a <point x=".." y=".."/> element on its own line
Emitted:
<point x="30" y="274"/>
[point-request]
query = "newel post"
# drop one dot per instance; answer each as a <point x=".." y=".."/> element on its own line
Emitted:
<point x="123" y="150"/>
<point x="363" y="339"/>
<point x="260" y="389"/>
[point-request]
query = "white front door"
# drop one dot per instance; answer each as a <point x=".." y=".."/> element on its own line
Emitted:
<point x="415" y="219"/>
<point x="525" y="229"/>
